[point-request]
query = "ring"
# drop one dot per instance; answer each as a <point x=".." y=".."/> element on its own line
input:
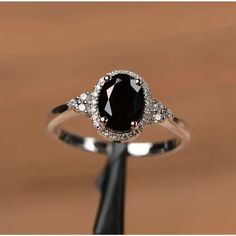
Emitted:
<point x="120" y="107"/>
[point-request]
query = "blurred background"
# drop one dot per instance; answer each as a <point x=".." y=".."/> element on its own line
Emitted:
<point x="51" y="52"/>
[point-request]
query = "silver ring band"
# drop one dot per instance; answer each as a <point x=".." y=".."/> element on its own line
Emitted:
<point x="63" y="113"/>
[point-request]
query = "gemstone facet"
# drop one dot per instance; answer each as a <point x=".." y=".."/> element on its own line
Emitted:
<point x="121" y="101"/>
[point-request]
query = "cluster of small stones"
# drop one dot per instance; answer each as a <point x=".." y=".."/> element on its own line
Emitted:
<point x="160" y="112"/>
<point x="81" y="103"/>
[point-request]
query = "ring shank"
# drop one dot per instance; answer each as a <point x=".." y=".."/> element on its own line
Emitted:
<point x="62" y="113"/>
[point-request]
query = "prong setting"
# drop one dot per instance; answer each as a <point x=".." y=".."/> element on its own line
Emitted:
<point x="138" y="81"/>
<point x="134" y="125"/>
<point x="104" y="120"/>
<point x="106" y="77"/>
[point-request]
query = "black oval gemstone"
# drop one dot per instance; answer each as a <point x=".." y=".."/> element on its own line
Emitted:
<point x="121" y="100"/>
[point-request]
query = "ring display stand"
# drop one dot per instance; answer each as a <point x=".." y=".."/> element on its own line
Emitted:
<point x="111" y="183"/>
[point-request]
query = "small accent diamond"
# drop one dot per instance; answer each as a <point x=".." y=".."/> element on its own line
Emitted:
<point x="157" y="117"/>
<point x="81" y="107"/>
<point x="96" y="124"/>
<point x="98" y="87"/>
<point x="83" y="96"/>
<point x="72" y="103"/>
<point x="94" y="94"/>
